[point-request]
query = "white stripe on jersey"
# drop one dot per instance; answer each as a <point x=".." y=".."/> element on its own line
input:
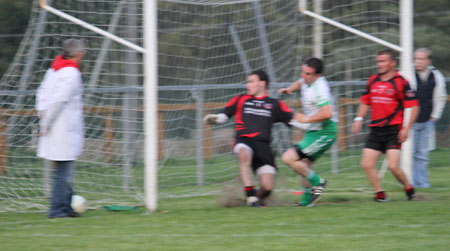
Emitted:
<point x="259" y="112"/>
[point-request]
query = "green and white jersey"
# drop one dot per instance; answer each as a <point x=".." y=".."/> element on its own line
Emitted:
<point x="315" y="96"/>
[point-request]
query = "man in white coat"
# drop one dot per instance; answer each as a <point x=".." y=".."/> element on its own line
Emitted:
<point x="60" y="107"/>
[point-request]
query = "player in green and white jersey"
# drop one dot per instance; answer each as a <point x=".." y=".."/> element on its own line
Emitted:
<point x="319" y="113"/>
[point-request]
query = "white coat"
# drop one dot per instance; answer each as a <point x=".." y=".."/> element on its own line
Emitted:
<point x="64" y="141"/>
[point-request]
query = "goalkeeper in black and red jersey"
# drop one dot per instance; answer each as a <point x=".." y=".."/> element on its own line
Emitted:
<point x="255" y="113"/>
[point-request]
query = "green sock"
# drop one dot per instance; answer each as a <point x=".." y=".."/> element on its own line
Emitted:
<point x="313" y="178"/>
<point x="306" y="196"/>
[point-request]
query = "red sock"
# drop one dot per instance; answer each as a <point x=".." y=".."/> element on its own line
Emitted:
<point x="380" y="195"/>
<point x="408" y="188"/>
<point x="250" y="191"/>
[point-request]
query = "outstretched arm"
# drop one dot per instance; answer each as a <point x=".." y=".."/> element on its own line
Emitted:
<point x="292" y="88"/>
<point x="213" y="119"/>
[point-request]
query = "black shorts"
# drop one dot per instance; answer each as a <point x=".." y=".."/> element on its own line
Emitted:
<point x="383" y="138"/>
<point x="262" y="153"/>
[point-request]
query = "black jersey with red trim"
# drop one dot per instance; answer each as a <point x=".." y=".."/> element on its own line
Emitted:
<point x="254" y="116"/>
<point x="388" y="99"/>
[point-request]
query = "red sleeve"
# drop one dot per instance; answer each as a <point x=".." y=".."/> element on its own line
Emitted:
<point x="230" y="107"/>
<point x="408" y="95"/>
<point x="232" y="101"/>
<point x="284" y="107"/>
<point x="285" y="114"/>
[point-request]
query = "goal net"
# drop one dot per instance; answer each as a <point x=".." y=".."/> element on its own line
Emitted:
<point x="205" y="50"/>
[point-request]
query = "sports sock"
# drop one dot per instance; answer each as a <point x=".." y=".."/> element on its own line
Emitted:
<point x="250" y="191"/>
<point x="408" y="188"/>
<point x="313" y="178"/>
<point x="306" y="196"/>
<point x="381" y="195"/>
<point x="262" y="194"/>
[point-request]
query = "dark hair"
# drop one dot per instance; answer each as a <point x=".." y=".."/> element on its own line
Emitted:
<point x="392" y="54"/>
<point x="262" y="75"/>
<point x="316" y="64"/>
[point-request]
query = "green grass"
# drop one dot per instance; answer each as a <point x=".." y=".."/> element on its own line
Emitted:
<point x="345" y="219"/>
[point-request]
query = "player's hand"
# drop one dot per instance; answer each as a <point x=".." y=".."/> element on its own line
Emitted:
<point x="210" y="119"/>
<point x="403" y="135"/>
<point x="284" y="90"/>
<point x="356" y="127"/>
<point x="300" y="117"/>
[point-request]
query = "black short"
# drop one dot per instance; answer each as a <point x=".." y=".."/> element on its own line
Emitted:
<point x="383" y="138"/>
<point x="262" y="153"/>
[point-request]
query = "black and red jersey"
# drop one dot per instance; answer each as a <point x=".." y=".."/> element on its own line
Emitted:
<point x="388" y="99"/>
<point x="254" y="116"/>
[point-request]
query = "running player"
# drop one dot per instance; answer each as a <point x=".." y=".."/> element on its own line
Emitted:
<point x="320" y="113"/>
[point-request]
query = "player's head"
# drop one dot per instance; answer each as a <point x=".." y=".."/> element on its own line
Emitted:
<point x="312" y="69"/>
<point x="422" y="58"/>
<point x="386" y="61"/>
<point x="257" y="83"/>
<point x="73" y="49"/>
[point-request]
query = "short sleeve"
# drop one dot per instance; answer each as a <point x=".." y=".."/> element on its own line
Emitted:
<point x="230" y="107"/>
<point x="365" y="98"/>
<point x="323" y="96"/>
<point x="409" y="96"/>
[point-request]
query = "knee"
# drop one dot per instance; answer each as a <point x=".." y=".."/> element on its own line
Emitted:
<point x="394" y="168"/>
<point x="288" y="157"/>
<point x="365" y="165"/>
<point x="267" y="187"/>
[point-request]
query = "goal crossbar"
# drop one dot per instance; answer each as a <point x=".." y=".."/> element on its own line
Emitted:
<point x="45" y="6"/>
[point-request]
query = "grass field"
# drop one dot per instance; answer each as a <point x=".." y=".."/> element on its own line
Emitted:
<point x="344" y="219"/>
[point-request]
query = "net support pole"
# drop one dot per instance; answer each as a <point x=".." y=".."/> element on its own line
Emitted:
<point x="151" y="105"/>
<point x="130" y="105"/>
<point x="198" y="94"/>
<point x="335" y="146"/>
<point x="263" y="40"/>
<point x="31" y="58"/>
<point x="239" y="48"/>
<point x="100" y="59"/>
<point x="406" y="68"/>
<point x="46" y="177"/>
<point x="318" y="30"/>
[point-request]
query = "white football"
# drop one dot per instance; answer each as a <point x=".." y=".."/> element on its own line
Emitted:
<point x="78" y="204"/>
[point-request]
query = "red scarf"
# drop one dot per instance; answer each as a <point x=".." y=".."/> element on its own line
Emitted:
<point x="60" y="63"/>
